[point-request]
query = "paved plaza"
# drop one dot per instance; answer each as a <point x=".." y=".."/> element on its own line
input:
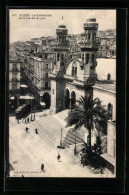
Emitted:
<point x="27" y="151"/>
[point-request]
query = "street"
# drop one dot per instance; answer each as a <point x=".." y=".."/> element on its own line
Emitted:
<point x="27" y="151"/>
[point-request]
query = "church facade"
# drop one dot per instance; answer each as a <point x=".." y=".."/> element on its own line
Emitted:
<point x="73" y="77"/>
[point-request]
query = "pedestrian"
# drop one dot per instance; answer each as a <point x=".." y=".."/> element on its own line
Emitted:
<point x="36" y="131"/>
<point x="58" y="157"/>
<point x="42" y="167"/>
<point x="27" y="129"/>
<point x="75" y="152"/>
<point x="28" y="119"/>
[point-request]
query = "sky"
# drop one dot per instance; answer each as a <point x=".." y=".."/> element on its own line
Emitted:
<point x="26" y="29"/>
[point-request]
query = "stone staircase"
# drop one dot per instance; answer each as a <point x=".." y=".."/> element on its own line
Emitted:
<point x="51" y="125"/>
<point x="71" y="136"/>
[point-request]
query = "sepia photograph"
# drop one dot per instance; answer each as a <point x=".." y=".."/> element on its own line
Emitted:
<point x="62" y="93"/>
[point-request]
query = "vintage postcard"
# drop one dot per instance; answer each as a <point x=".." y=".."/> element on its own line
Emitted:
<point x="62" y="93"/>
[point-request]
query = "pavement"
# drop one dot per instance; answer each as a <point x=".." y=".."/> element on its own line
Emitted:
<point x="27" y="151"/>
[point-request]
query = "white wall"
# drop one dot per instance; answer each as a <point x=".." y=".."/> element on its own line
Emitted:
<point x="105" y="66"/>
<point x="111" y="139"/>
<point x="106" y="97"/>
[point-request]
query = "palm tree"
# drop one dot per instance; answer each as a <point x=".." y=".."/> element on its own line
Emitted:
<point x="86" y="114"/>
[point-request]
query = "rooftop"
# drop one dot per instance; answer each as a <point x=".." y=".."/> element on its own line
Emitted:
<point x="105" y="86"/>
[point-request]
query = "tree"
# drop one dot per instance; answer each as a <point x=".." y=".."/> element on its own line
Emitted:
<point x="86" y="114"/>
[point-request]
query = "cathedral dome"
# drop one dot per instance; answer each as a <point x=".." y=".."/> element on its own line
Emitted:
<point x="61" y="24"/>
<point x="91" y="17"/>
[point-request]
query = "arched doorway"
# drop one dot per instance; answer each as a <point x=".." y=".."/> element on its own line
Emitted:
<point x="73" y="99"/>
<point x="46" y="99"/>
<point x="67" y="99"/>
<point x="108" y="76"/>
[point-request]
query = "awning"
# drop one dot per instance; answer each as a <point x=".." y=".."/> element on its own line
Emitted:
<point x="108" y="158"/>
<point x="12" y="98"/>
<point x="27" y="97"/>
<point x="24" y="86"/>
<point x="42" y="104"/>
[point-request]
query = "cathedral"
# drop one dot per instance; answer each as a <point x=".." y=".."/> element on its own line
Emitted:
<point x="72" y="76"/>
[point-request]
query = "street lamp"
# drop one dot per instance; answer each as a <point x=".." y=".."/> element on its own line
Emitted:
<point x="61" y="138"/>
<point x="75" y="150"/>
<point x="61" y="144"/>
<point x="31" y="109"/>
<point x="34" y="113"/>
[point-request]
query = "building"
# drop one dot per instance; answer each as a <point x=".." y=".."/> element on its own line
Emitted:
<point x="14" y="82"/>
<point x="74" y="77"/>
<point x="103" y="51"/>
<point x="56" y="77"/>
<point x="107" y="94"/>
<point x="37" y="41"/>
<point x="36" y="76"/>
<point x="107" y="47"/>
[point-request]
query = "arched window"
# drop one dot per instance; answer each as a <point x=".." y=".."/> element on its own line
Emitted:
<point x="75" y="71"/>
<point x="109" y="108"/>
<point x="73" y="98"/>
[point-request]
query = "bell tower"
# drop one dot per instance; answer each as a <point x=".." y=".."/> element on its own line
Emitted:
<point x="61" y="48"/>
<point x="56" y="76"/>
<point x="89" y="48"/>
<point x="62" y="33"/>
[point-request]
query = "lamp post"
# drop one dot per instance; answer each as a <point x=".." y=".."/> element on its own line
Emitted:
<point x="34" y="115"/>
<point x="31" y="109"/>
<point x="61" y="144"/>
<point x="75" y="146"/>
<point x="61" y="138"/>
<point x="31" y="99"/>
